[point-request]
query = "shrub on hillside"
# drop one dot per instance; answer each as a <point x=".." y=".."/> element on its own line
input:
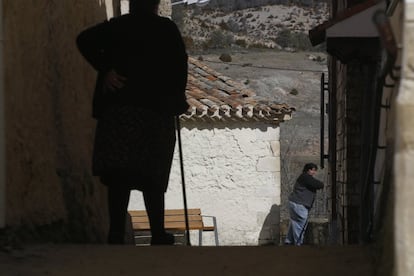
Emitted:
<point x="218" y="39"/>
<point x="233" y="26"/>
<point x="223" y="25"/>
<point x="189" y="42"/>
<point x="287" y="38"/>
<point x="241" y="43"/>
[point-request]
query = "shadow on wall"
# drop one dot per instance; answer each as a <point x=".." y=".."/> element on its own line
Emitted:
<point x="270" y="233"/>
<point x="51" y="193"/>
<point x="274" y="229"/>
<point x="317" y="232"/>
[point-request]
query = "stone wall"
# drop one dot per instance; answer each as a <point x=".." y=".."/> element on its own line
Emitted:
<point x="232" y="171"/>
<point x="49" y="129"/>
<point x="404" y="157"/>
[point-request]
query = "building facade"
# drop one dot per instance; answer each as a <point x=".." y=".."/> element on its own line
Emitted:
<point x="231" y="157"/>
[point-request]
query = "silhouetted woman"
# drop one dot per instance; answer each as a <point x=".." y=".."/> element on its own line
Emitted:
<point x="141" y="62"/>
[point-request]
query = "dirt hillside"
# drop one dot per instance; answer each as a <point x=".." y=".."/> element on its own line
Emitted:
<point x="285" y="77"/>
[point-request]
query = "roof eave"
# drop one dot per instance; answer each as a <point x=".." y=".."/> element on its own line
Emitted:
<point x="318" y="34"/>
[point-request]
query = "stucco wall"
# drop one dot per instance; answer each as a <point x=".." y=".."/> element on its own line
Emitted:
<point x="404" y="158"/>
<point x="232" y="171"/>
<point x="49" y="130"/>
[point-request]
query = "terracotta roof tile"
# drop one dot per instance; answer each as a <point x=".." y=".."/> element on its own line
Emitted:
<point x="215" y="96"/>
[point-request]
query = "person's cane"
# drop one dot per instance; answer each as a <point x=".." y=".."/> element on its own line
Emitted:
<point x="187" y="227"/>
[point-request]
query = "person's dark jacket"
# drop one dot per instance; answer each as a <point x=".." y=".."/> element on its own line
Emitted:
<point x="304" y="190"/>
<point x="149" y="51"/>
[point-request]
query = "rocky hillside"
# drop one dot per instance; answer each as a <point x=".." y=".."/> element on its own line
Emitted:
<point x="271" y="26"/>
<point x="259" y="45"/>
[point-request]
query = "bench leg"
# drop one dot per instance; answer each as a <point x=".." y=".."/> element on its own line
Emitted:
<point x="216" y="239"/>
<point x="215" y="231"/>
<point x="200" y="237"/>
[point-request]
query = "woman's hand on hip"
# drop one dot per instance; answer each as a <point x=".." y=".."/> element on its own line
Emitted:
<point x="114" y="81"/>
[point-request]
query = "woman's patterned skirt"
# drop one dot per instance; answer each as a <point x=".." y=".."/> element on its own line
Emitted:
<point x="135" y="145"/>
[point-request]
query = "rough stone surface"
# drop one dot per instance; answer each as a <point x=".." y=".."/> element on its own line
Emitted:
<point x="49" y="129"/>
<point x="224" y="177"/>
<point x="404" y="204"/>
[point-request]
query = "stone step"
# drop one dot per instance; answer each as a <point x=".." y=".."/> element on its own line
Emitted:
<point x="188" y="260"/>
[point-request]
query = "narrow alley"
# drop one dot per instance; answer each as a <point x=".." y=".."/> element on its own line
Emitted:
<point x="181" y="260"/>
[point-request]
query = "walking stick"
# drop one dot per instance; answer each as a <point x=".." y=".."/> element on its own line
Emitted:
<point x="187" y="227"/>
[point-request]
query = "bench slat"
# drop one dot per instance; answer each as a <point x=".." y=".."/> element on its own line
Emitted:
<point x="167" y="218"/>
<point x="195" y="225"/>
<point x="174" y="220"/>
<point x="168" y="212"/>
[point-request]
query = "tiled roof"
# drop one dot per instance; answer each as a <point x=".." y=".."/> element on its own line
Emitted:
<point x="212" y="95"/>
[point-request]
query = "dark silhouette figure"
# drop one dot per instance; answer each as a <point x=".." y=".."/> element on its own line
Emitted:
<point x="141" y="62"/>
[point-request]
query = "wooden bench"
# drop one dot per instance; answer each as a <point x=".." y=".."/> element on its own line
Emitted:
<point x="175" y="221"/>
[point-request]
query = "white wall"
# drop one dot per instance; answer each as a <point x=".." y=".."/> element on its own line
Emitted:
<point x="232" y="171"/>
<point x="404" y="155"/>
<point x="165" y="8"/>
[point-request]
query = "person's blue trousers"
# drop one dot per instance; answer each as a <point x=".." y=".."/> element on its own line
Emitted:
<point x="298" y="223"/>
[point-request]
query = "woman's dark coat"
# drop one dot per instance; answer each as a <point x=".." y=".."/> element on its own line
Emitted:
<point x="135" y="135"/>
<point x="304" y="190"/>
<point x="149" y="51"/>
